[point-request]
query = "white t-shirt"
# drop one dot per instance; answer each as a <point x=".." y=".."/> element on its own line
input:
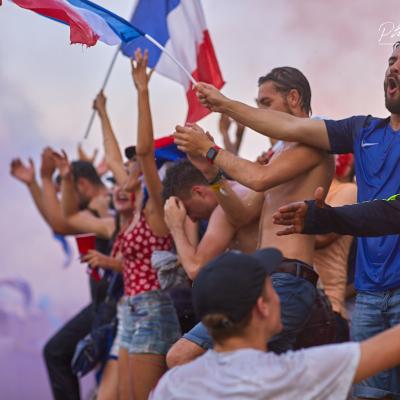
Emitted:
<point x="324" y="372"/>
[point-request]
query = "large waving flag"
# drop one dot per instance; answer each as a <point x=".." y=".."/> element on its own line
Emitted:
<point x="88" y="21"/>
<point x="180" y="26"/>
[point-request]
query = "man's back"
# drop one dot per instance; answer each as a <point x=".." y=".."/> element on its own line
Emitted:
<point x="319" y="373"/>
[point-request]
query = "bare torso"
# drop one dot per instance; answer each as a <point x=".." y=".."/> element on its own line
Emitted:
<point x="300" y="188"/>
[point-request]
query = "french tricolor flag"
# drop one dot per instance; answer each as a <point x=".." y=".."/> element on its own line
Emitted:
<point x="88" y="22"/>
<point x="180" y="26"/>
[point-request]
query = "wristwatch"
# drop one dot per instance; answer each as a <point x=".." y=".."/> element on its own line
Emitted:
<point x="212" y="153"/>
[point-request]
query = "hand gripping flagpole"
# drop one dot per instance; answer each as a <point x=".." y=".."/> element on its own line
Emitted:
<point x="110" y="68"/>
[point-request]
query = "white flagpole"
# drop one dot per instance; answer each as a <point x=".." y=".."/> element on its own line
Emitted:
<point x="110" y="68"/>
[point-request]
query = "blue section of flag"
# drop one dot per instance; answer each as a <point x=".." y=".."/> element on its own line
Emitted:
<point x="120" y="26"/>
<point x="65" y="247"/>
<point x="150" y="16"/>
<point x="168" y="153"/>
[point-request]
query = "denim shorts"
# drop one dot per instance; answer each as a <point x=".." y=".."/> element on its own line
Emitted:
<point x="117" y="340"/>
<point x="149" y="323"/>
<point x="297" y="297"/>
<point x="373" y="313"/>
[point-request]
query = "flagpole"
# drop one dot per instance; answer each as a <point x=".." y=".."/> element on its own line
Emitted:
<point x="110" y="68"/>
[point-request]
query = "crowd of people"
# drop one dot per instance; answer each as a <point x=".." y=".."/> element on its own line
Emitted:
<point x="240" y="279"/>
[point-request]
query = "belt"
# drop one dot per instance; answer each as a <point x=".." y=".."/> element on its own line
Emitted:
<point x="298" y="269"/>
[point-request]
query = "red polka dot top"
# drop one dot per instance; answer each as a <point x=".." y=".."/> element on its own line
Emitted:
<point x="137" y="246"/>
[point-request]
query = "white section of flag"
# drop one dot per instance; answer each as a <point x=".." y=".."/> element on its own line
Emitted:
<point x="106" y="34"/>
<point x="186" y="24"/>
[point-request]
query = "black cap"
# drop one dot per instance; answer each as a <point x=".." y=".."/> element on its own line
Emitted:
<point x="231" y="283"/>
<point x="130" y="152"/>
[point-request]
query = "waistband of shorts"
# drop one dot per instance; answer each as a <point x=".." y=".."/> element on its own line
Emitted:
<point x="148" y="297"/>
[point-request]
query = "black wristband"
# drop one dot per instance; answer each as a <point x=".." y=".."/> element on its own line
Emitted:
<point x="216" y="178"/>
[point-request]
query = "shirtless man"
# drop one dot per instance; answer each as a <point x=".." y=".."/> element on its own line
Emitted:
<point x="293" y="171"/>
<point x="190" y="193"/>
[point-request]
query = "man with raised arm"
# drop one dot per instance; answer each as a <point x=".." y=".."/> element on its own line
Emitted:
<point x="376" y="146"/>
<point x="293" y="171"/>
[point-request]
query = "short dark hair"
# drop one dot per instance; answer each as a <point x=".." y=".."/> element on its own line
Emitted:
<point x="180" y="178"/>
<point x="85" y="169"/>
<point x="288" y="78"/>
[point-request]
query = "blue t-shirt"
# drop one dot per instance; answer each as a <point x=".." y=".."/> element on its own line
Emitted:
<point x="376" y="149"/>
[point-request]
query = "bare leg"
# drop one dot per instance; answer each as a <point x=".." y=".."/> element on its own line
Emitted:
<point x="108" y="389"/>
<point x="124" y="389"/>
<point x="182" y="352"/>
<point x="145" y="371"/>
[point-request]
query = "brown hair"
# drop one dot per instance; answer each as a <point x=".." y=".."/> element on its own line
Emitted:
<point x="288" y="78"/>
<point x="221" y="327"/>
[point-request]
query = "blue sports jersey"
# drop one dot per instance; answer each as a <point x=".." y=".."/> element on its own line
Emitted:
<point x="376" y="149"/>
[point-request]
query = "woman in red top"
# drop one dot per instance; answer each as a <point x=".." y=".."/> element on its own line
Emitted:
<point x="149" y="321"/>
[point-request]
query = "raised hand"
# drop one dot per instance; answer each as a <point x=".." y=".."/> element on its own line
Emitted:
<point x="139" y="70"/>
<point x="99" y="103"/>
<point x="293" y="215"/>
<point x="83" y="156"/>
<point x="192" y="140"/>
<point x="48" y="165"/>
<point x="174" y="213"/>
<point x="24" y="173"/>
<point x="211" y="97"/>
<point x="62" y="163"/>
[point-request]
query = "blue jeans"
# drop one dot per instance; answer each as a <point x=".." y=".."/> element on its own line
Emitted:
<point x="297" y="297"/>
<point x="149" y="323"/>
<point x="373" y="313"/>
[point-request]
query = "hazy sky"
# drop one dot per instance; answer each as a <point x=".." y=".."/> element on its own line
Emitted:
<point x="47" y="87"/>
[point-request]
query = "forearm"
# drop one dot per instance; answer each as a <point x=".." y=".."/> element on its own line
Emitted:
<point x="379" y="353"/>
<point x="112" y="151"/>
<point x="186" y="252"/>
<point x="69" y="198"/>
<point x="36" y="194"/>
<point x="145" y="139"/>
<point x="375" y="218"/>
<point x="279" y="125"/>
<point x="233" y="206"/>
<point x="113" y="263"/>
<point x="52" y="209"/>
<point x="249" y="174"/>
<point x="145" y="150"/>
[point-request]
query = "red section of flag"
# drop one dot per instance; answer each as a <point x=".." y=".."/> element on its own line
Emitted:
<point x="163" y="141"/>
<point x="80" y="31"/>
<point x="207" y="71"/>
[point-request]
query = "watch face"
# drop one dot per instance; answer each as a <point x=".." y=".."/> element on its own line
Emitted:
<point x="211" y="154"/>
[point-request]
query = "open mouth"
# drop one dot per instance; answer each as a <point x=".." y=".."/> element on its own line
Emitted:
<point x="392" y="86"/>
<point x="122" y="197"/>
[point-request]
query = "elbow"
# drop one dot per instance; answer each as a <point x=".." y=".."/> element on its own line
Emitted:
<point x="192" y="270"/>
<point x="258" y="184"/>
